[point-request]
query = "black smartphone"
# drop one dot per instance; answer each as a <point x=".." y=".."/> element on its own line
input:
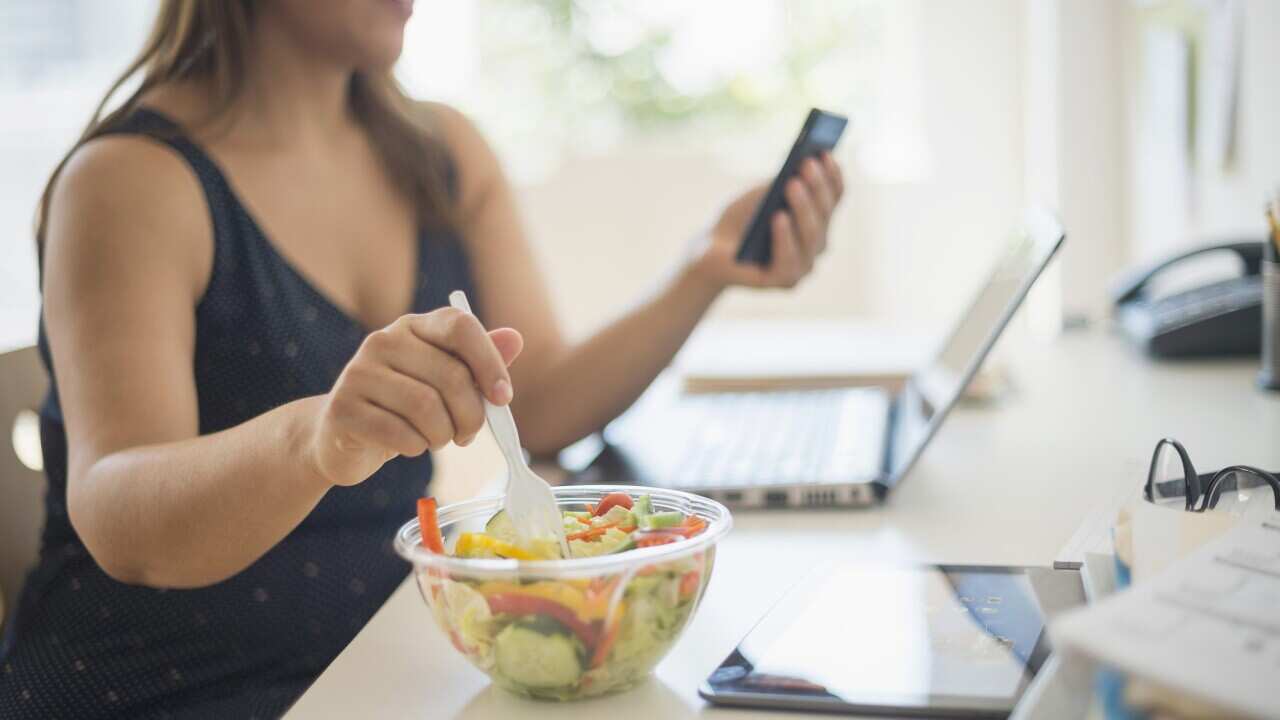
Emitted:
<point x="821" y="132"/>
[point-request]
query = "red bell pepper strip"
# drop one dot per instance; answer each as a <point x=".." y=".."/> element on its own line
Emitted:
<point x="430" y="526"/>
<point x="601" y="588"/>
<point x="693" y="525"/>
<point x="592" y="533"/>
<point x="689" y="583"/>
<point x="656" y="537"/>
<point x="610" y="500"/>
<point x="607" y="641"/>
<point x="456" y="639"/>
<point x="589" y="533"/>
<point x="515" y="604"/>
<point x="600" y="592"/>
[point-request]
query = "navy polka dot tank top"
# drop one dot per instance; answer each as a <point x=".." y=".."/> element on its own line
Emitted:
<point x="86" y="646"/>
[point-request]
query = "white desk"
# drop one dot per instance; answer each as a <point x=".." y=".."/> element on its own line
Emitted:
<point x="1002" y="484"/>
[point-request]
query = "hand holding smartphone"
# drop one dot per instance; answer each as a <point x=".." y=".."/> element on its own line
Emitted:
<point x="821" y="132"/>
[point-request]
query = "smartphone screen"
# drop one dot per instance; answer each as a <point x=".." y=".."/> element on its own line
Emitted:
<point x="821" y="132"/>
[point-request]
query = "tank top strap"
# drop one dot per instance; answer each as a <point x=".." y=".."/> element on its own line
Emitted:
<point x="217" y="190"/>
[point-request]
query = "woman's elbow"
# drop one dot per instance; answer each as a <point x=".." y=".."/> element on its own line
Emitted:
<point x="121" y="570"/>
<point x="110" y="553"/>
<point x="117" y="546"/>
<point x="134" y="566"/>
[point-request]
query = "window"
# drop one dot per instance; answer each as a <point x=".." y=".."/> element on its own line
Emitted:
<point x="550" y="79"/>
<point x="57" y="58"/>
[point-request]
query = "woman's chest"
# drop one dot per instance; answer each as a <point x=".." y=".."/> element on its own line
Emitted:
<point x="341" y="226"/>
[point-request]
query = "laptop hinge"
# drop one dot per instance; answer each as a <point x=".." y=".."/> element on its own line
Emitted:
<point x="890" y="437"/>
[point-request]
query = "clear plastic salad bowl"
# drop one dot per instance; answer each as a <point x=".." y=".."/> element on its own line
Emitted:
<point x="566" y="629"/>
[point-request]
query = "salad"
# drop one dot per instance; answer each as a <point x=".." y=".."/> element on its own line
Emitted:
<point x="569" y="638"/>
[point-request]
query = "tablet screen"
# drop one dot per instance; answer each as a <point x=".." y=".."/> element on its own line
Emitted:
<point x="894" y="638"/>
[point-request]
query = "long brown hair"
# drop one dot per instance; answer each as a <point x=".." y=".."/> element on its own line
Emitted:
<point x="208" y="40"/>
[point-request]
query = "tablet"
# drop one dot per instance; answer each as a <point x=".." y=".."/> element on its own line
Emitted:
<point x="933" y="640"/>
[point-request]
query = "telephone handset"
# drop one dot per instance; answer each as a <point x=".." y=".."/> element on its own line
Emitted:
<point x="1222" y="317"/>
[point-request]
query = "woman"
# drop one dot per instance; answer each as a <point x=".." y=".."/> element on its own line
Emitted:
<point x="245" y="271"/>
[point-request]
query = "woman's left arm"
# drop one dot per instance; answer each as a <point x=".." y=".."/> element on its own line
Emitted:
<point x="564" y="391"/>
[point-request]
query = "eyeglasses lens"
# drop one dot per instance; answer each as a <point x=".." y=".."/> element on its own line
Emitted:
<point x="1245" y="493"/>
<point x="1169" y="485"/>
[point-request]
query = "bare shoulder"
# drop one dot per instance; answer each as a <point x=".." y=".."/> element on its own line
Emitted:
<point x="448" y="123"/>
<point x="478" y="168"/>
<point x="129" y="198"/>
<point x="130" y="173"/>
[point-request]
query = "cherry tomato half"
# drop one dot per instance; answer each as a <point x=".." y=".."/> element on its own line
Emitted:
<point x="611" y="500"/>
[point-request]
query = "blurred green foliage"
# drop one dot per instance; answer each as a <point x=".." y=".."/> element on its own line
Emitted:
<point x="822" y="51"/>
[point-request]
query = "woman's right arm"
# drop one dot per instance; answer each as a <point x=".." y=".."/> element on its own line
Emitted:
<point x="128" y="253"/>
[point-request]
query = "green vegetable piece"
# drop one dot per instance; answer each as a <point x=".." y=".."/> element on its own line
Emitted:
<point x="642" y="506"/>
<point x="541" y="624"/>
<point x="536" y="660"/>
<point x="630" y="544"/>
<point x="613" y="540"/>
<point x="617" y="515"/>
<point x="501" y="528"/>
<point x="657" y="521"/>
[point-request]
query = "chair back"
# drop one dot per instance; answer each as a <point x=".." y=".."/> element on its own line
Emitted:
<point x="22" y="483"/>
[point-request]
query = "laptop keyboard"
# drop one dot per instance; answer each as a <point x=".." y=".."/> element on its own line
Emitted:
<point x="767" y="438"/>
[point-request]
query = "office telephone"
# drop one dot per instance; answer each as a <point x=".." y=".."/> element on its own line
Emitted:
<point x="1221" y="317"/>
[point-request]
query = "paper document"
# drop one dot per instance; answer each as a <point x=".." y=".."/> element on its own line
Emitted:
<point x="1159" y="537"/>
<point x="1094" y="533"/>
<point x="797" y="354"/>
<point x="1207" y="626"/>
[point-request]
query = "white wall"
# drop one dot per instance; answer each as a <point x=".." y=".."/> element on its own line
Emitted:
<point x="1091" y="157"/>
<point x="1073" y="158"/>
<point x="72" y="58"/>
<point x="1215" y="202"/>
<point x="1093" y="150"/>
<point x="1230" y="202"/>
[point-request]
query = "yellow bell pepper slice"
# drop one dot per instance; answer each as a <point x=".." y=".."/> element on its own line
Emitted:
<point x="480" y="545"/>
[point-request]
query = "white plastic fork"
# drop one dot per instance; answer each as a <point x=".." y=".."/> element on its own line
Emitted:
<point x="529" y="502"/>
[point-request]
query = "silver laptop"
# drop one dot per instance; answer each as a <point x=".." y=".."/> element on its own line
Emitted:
<point x="841" y="447"/>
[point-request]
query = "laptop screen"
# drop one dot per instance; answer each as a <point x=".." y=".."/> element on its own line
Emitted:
<point x="934" y="388"/>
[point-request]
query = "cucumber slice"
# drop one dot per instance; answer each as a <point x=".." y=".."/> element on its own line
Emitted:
<point x="536" y="660"/>
<point x="642" y="506"/>
<point x="501" y="527"/>
<point x="658" y="521"/>
<point x="630" y="544"/>
<point x="617" y="515"/>
<point x="611" y="542"/>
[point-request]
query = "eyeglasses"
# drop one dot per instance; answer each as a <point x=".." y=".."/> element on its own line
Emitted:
<point x="1172" y="480"/>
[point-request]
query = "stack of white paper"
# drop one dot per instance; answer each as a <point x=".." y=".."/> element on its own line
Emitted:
<point x="1208" y="625"/>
